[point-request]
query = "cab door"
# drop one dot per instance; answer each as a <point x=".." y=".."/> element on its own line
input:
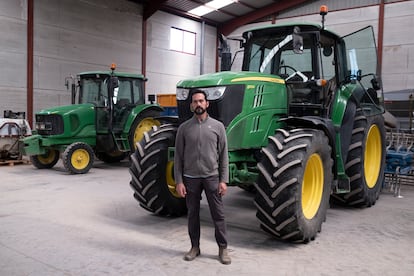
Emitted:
<point x="362" y="69"/>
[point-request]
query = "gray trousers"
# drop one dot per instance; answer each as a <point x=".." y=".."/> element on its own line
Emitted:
<point x="195" y="187"/>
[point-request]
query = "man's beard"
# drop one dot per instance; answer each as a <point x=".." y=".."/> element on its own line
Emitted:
<point x="199" y="110"/>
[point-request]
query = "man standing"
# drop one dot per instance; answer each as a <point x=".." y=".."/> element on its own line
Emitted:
<point x="201" y="163"/>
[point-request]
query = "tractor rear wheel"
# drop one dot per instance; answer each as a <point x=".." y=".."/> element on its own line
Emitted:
<point x="153" y="174"/>
<point x="143" y="123"/>
<point x="78" y="158"/>
<point x="294" y="183"/>
<point x="365" y="162"/>
<point x="45" y="161"/>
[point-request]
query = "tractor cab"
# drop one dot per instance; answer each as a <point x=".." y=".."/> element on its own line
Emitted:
<point x="292" y="53"/>
<point x="114" y="96"/>
<point x="314" y="63"/>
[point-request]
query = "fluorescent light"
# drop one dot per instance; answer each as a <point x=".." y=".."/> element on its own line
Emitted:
<point x="210" y="7"/>
<point x="201" y="10"/>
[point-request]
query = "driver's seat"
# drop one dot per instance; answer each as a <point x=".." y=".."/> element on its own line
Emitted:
<point x="123" y="102"/>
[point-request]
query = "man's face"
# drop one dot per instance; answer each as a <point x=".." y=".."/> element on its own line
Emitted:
<point x="199" y="104"/>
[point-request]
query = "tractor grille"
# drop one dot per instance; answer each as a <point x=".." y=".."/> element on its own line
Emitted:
<point x="223" y="109"/>
<point x="49" y="124"/>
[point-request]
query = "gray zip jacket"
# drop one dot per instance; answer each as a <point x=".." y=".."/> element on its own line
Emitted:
<point x="201" y="150"/>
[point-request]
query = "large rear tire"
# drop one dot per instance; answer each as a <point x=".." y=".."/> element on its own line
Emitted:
<point x="153" y="175"/>
<point x="143" y="123"/>
<point x="294" y="184"/>
<point x="365" y="162"/>
<point x="78" y="158"/>
<point x="45" y="161"/>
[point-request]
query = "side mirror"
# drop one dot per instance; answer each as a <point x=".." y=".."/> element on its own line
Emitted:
<point x="112" y="88"/>
<point x="297" y="41"/>
<point x="225" y="54"/>
<point x="151" y="98"/>
<point x="359" y="74"/>
<point x="113" y="83"/>
<point x="375" y="84"/>
<point x="72" y="86"/>
<point x="225" y="61"/>
<point x="73" y="93"/>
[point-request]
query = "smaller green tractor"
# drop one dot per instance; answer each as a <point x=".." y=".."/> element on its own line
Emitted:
<point x="108" y="116"/>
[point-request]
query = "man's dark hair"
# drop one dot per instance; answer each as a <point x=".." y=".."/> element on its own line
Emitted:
<point x="199" y="91"/>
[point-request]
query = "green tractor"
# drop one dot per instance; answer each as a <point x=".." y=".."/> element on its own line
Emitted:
<point x="108" y="120"/>
<point x="304" y="123"/>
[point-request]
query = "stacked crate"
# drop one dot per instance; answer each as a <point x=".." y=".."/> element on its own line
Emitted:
<point x="169" y="103"/>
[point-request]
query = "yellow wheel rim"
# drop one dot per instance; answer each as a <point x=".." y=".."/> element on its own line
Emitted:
<point x="169" y="176"/>
<point x="312" y="186"/>
<point x="144" y="126"/>
<point x="47" y="158"/>
<point x="80" y="159"/>
<point x="372" y="156"/>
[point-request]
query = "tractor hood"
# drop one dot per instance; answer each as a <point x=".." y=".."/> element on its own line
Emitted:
<point x="66" y="121"/>
<point x="68" y="109"/>
<point x="228" y="78"/>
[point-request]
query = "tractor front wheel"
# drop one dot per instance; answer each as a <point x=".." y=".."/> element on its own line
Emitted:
<point x="45" y="161"/>
<point x="78" y="158"/>
<point x="294" y="183"/>
<point x="153" y="174"/>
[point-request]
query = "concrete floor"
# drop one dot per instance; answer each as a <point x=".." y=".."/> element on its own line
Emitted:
<point x="52" y="223"/>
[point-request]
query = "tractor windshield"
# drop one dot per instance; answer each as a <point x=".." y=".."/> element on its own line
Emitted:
<point x="274" y="53"/>
<point x="112" y="107"/>
<point x="94" y="89"/>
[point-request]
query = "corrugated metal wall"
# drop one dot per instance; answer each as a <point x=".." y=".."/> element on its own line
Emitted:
<point x="69" y="37"/>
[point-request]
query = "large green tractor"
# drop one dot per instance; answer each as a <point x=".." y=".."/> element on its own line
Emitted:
<point x="109" y="118"/>
<point x="304" y="127"/>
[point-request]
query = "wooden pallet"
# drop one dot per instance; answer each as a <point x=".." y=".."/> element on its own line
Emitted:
<point x="13" y="162"/>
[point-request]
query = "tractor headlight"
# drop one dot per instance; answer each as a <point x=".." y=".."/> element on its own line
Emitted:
<point x="182" y="94"/>
<point x="214" y="93"/>
<point x="40" y="126"/>
<point x="43" y="126"/>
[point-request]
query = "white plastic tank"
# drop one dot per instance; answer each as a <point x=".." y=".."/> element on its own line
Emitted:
<point x="11" y="131"/>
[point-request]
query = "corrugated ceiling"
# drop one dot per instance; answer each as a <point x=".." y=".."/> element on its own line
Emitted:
<point x="230" y="17"/>
<point x="243" y="12"/>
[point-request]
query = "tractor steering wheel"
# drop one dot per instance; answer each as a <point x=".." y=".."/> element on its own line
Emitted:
<point x="286" y="76"/>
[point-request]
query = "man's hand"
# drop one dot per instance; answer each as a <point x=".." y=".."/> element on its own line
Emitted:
<point x="180" y="188"/>
<point x="222" y="188"/>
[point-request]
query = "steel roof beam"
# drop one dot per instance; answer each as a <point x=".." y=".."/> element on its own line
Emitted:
<point x="150" y="9"/>
<point x="277" y="7"/>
